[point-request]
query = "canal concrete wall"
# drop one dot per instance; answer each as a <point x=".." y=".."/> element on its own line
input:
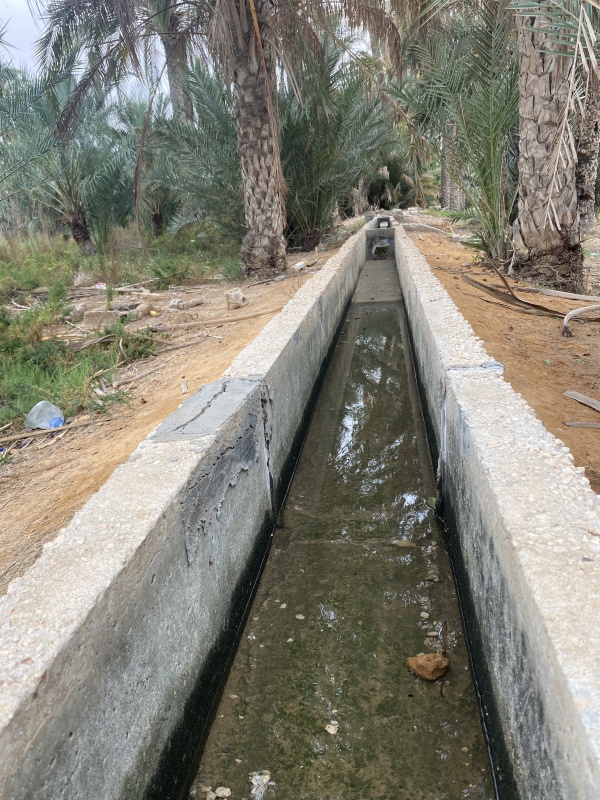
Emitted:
<point x="524" y="530"/>
<point x="105" y="637"/>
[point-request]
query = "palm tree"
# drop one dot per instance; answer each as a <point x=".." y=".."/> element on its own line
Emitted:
<point x="199" y="161"/>
<point x="328" y="142"/>
<point x="467" y="84"/>
<point x="545" y="233"/>
<point x="245" y="40"/>
<point x="239" y="35"/>
<point x="331" y="139"/>
<point x="84" y="183"/>
<point x="119" y="35"/>
<point x="21" y="145"/>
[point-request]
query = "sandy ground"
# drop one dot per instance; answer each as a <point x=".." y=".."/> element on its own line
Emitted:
<point x="51" y="476"/>
<point x="539" y="362"/>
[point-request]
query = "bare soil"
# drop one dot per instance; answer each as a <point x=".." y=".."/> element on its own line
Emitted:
<point x="51" y="476"/>
<point x="539" y="362"/>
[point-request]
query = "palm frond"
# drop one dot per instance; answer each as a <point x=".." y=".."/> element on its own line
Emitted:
<point x="467" y="98"/>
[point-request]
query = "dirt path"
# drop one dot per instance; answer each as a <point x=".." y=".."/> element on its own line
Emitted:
<point x="50" y="478"/>
<point x="539" y="362"/>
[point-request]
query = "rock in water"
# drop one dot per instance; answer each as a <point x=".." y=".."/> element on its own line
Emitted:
<point x="429" y="666"/>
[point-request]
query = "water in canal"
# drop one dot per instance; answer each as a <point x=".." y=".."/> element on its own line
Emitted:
<point x="320" y="704"/>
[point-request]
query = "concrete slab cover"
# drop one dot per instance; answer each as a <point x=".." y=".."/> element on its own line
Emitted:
<point x="526" y="538"/>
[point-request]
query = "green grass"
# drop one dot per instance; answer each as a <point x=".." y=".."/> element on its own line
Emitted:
<point x="36" y="367"/>
<point x="28" y="263"/>
<point x="35" y="364"/>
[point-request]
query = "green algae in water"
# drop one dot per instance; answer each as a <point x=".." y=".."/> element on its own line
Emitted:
<point x="357" y="580"/>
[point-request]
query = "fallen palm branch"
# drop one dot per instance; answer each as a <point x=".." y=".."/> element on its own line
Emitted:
<point x="505" y="305"/>
<point x="583" y="399"/>
<point x="222" y="321"/>
<point x="566" y="331"/>
<point x="511" y="298"/>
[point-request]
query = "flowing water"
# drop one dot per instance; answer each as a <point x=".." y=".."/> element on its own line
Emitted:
<point x="320" y="704"/>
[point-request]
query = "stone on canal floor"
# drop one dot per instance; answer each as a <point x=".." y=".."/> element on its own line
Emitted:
<point x="429" y="666"/>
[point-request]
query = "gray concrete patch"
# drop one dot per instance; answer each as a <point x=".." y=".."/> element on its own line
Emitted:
<point x="525" y="530"/>
<point x="105" y="636"/>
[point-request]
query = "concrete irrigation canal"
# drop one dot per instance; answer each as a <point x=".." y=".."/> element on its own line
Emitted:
<point x="358" y="579"/>
<point x="141" y="659"/>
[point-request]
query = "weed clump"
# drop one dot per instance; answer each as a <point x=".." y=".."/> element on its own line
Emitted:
<point x="36" y="364"/>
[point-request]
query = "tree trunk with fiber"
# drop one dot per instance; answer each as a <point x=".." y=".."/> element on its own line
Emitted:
<point x="546" y="242"/>
<point x="263" y="248"/>
<point x="587" y="157"/>
<point x="452" y="196"/>
<point x="77" y="222"/>
<point x="176" y="62"/>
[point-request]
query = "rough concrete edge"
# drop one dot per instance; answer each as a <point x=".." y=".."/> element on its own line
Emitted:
<point x="56" y="620"/>
<point x="295" y="343"/>
<point x="517" y="487"/>
<point x="263" y="352"/>
<point x="44" y="610"/>
<point x="447" y="339"/>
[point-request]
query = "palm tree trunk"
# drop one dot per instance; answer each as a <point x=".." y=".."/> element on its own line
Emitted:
<point x="77" y="222"/>
<point x="587" y="156"/>
<point x="176" y="62"/>
<point x="263" y="248"/>
<point x="452" y="196"/>
<point x="546" y="245"/>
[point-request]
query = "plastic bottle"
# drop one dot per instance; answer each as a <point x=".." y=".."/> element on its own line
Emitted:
<point x="45" y="415"/>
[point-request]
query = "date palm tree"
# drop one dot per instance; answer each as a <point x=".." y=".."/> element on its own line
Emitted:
<point x="116" y="36"/>
<point x="86" y="182"/>
<point x="545" y="233"/>
<point x="337" y="136"/>
<point x="559" y="137"/>
<point x="21" y="146"/>
<point x="464" y="96"/>
<point x="244" y="40"/>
